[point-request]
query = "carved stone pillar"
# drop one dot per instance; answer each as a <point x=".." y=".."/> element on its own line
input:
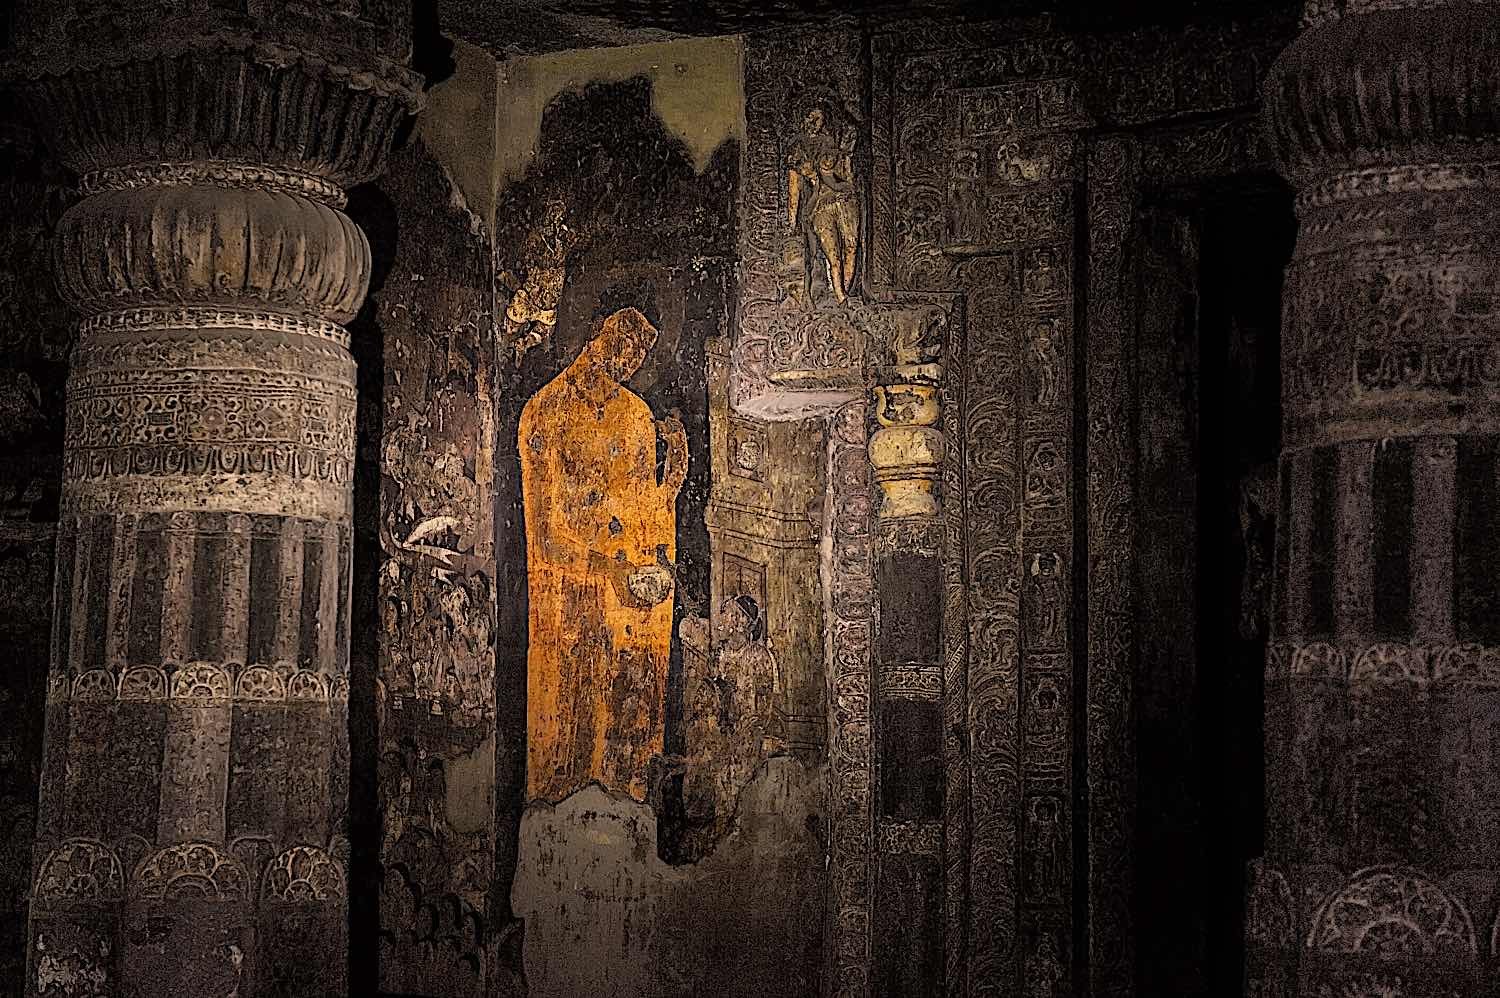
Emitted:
<point x="1382" y="687"/>
<point x="907" y="450"/>
<point x="906" y="456"/>
<point x="191" y="831"/>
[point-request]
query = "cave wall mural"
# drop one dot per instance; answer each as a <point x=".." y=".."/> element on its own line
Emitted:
<point x="426" y="739"/>
<point x="671" y="697"/>
<point x="601" y="552"/>
<point x="774" y="528"/>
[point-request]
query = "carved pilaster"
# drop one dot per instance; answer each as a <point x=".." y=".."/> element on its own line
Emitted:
<point x="907" y="450"/>
<point x="906" y="455"/>
<point x="817" y="342"/>
<point x="1380" y="787"/>
<point x="196" y="778"/>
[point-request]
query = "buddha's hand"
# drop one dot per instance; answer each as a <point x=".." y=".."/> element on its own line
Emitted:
<point x="674" y="472"/>
<point x="670" y="428"/>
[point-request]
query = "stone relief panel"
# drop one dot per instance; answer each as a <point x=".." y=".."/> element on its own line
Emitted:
<point x="801" y="215"/>
<point x="823" y="207"/>
<point x="979" y="183"/>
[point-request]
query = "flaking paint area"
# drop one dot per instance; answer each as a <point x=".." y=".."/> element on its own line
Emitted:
<point x="697" y="92"/>
<point x="606" y="917"/>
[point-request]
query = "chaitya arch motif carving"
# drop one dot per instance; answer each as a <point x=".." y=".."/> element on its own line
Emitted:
<point x="1391" y="912"/>
<point x="80" y="871"/>
<point x="303" y="873"/>
<point x="192" y="870"/>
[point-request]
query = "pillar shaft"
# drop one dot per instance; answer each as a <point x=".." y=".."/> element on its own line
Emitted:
<point x="191" y="833"/>
<point x="1382" y="685"/>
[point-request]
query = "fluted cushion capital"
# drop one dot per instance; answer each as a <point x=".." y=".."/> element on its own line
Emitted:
<point x="197" y="244"/>
<point x="1385" y="86"/>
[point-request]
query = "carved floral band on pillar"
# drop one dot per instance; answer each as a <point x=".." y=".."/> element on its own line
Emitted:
<point x="197" y="743"/>
<point x="1383" y="115"/>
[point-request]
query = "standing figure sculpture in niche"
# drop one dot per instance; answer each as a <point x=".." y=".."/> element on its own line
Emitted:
<point x="601" y="527"/>
<point x="823" y="202"/>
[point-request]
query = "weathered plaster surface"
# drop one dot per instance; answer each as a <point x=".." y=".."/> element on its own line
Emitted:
<point x="697" y="91"/>
<point x="434" y="695"/>
<point x="458" y="127"/>
<point x="606" y="917"/>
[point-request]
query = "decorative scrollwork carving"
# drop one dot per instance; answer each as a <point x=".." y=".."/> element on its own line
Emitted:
<point x="305" y="685"/>
<point x="143" y="683"/>
<point x="95" y="685"/>
<point x="258" y="683"/>
<point x="201" y="682"/>
<point x="1320" y="659"/>
<point x="146" y="320"/>
<point x="911" y="682"/>
<point x="818" y="350"/>
<point x="80" y="871"/>
<point x="216" y="174"/>
<point x="1384" y="662"/>
<point x="851" y="744"/>
<point x="303" y="873"/>
<point x="1390" y="912"/>
<point x="190" y="871"/>
<point x="1389" y="660"/>
<point x="911" y="838"/>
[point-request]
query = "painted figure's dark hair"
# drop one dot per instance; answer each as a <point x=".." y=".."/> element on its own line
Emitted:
<point x="751" y="610"/>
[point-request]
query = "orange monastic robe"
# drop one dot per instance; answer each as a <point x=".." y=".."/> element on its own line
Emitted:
<point x="595" y="517"/>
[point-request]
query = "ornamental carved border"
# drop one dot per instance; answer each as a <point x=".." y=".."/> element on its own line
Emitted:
<point x="994" y="153"/>
<point x="980" y="174"/>
<point x="850" y="589"/>
<point x="86" y="873"/>
<point x="1111" y="460"/>
<point x="975" y="190"/>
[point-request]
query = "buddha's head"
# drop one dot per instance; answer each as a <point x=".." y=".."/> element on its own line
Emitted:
<point x="622" y="344"/>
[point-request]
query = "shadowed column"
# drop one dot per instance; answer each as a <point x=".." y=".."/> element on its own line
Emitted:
<point x="1383" y="678"/>
<point x="194" y="795"/>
